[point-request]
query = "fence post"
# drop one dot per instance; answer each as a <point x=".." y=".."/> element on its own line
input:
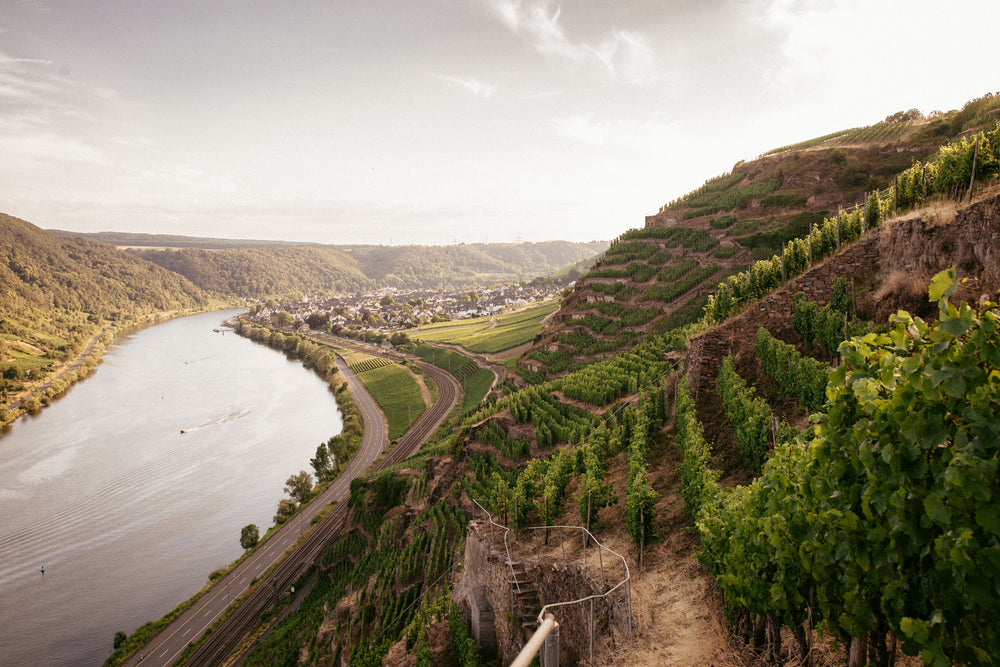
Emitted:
<point x="600" y="554"/>
<point x="975" y="156"/>
<point x="642" y="534"/>
<point x="810" y="245"/>
<point x="592" y="632"/>
<point x="628" y="600"/>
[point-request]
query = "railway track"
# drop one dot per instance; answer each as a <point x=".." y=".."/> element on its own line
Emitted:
<point x="241" y="619"/>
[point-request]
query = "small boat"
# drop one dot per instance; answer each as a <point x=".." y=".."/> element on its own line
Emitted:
<point x="184" y="430"/>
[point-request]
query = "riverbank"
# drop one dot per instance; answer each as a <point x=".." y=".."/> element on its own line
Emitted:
<point x="40" y="392"/>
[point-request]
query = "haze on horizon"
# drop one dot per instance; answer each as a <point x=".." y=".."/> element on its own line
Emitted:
<point x="393" y="121"/>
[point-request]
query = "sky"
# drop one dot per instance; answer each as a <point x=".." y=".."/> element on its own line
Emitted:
<point x="441" y="121"/>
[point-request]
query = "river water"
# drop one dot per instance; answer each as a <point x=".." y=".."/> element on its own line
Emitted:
<point x="127" y="514"/>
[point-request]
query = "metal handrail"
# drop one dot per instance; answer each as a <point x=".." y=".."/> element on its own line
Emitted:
<point x="506" y="543"/>
<point x="626" y="581"/>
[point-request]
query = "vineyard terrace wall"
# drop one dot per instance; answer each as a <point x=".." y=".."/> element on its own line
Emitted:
<point x="915" y="247"/>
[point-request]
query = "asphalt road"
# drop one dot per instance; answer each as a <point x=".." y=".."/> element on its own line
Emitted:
<point x="166" y="647"/>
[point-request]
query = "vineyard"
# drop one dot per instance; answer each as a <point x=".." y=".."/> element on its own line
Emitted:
<point x="370" y="364"/>
<point x="949" y="174"/>
<point x="397" y="572"/>
<point x="881" y="522"/>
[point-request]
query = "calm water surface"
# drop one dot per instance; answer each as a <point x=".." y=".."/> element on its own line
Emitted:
<point x="127" y="514"/>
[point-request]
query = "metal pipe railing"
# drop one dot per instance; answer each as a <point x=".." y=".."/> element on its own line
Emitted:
<point x="625" y="582"/>
<point x="506" y="543"/>
<point x="535" y="643"/>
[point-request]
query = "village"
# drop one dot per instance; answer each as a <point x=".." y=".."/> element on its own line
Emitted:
<point x="375" y="316"/>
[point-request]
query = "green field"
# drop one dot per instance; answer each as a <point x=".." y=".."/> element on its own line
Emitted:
<point x="476" y="386"/>
<point x="480" y="336"/>
<point x="475" y="381"/>
<point x="397" y="393"/>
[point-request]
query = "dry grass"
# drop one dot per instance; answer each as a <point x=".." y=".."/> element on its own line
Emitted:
<point x="906" y="284"/>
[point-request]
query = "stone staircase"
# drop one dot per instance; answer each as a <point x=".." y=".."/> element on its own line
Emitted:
<point x="527" y="603"/>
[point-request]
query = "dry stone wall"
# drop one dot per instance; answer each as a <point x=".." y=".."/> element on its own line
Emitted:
<point x="916" y="246"/>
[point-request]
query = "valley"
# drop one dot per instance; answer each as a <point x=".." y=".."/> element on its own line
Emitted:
<point x="794" y="470"/>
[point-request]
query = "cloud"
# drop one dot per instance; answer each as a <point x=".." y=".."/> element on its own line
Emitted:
<point x="903" y="55"/>
<point x="624" y="54"/>
<point x="25" y="79"/>
<point x="471" y="85"/>
<point x="645" y="135"/>
<point x="48" y="147"/>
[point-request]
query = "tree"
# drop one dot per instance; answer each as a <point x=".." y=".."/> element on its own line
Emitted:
<point x="120" y="638"/>
<point x="317" y="320"/>
<point x="283" y="318"/>
<point x="323" y="464"/>
<point x="286" y="508"/>
<point x="249" y="536"/>
<point x="299" y="486"/>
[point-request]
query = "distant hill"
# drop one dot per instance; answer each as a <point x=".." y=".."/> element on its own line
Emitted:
<point x="261" y="269"/>
<point x="58" y="293"/>
<point x="45" y="270"/>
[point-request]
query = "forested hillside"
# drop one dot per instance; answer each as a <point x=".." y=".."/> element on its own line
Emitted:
<point x="264" y="272"/>
<point x="57" y="293"/>
<point x="282" y="270"/>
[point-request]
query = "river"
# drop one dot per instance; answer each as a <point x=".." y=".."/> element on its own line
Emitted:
<point x="127" y="514"/>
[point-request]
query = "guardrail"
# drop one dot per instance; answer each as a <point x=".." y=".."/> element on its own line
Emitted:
<point x="545" y="640"/>
<point x="506" y="543"/>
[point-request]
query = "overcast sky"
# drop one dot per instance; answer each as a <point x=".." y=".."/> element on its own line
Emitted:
<point x="436" y="121"/>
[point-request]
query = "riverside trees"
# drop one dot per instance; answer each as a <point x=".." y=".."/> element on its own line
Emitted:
<point x="249" y="536"/>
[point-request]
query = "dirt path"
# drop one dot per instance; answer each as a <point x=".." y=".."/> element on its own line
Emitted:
<point x="74" y="365"/>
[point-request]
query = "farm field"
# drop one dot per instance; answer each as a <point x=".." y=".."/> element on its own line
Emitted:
<point x="391" y="385"/>
<point x="482" y="337"/>
<point x="397" y="393"/>
<point x="476" y="381"/>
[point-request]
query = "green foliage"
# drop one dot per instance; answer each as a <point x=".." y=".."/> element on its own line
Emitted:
<point x="699" y="482"/>
<point x="266" y="270"/>
<point x="396" y="392"/>
<point x="887" y="519"/>
<point x="481" y="336"/>
<point x="724" y="252"/>
<point x="299" y="486"/>
<point x="462" y="643"/>
<point x="749" y="416"/>
<point x="610" y="378"/>
<point x="802" y="377"/>
<point x="249" y="537"/>
<point x="370" y="363"/>
<point x="723" y="221"/>
<point x="712" y="187"/>
<point x="323" y="463"/>
<point x="688" y="237"/>
<point x="286" y="509"/>
<point x="691" y="279"/>
<point x="949" y="173"/>
<point x="827" y="325"/>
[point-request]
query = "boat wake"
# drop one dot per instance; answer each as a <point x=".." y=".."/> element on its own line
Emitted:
<point x="233" y="415"/>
